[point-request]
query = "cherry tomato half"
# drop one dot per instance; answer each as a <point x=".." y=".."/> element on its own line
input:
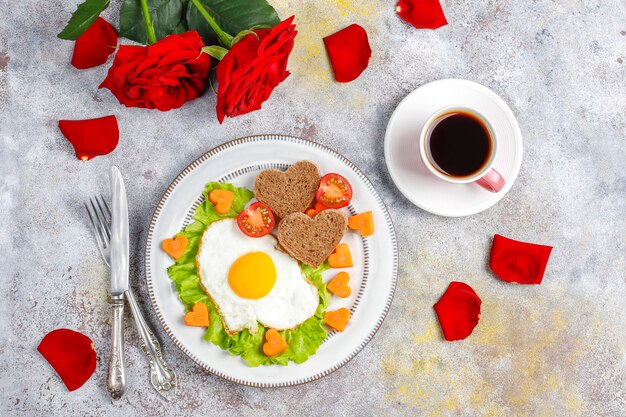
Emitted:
<point x="335" y="191"/>
<point x="257" y="220"/>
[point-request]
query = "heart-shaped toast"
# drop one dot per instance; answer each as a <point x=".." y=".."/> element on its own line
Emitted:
<point x="288" y="191"/>
<point x="311" y="240"/>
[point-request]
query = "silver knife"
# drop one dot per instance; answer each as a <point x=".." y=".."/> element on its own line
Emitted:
<point x="116" y="381"/>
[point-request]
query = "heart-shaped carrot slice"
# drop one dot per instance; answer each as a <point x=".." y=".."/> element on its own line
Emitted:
<point x="337" y="319"/>
<point x="198" y="316"/>
<point x="341" y="257"/>
<point x="175" y="247"/>
<point x="339" y="285"/>
<point x="363" y="222"/>
<point x="274" y="344"/>
<point x="222" y="199"/>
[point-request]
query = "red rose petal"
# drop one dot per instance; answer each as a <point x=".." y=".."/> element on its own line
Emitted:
<point x="91" y="137"/>
<point x="518" y="262"/>
<point x="458" y="311"/>
<point x="423" y="14"/>
<point x="93" y="47"/>
<point x="349" y="52"/>
<point x="71" y="354"/>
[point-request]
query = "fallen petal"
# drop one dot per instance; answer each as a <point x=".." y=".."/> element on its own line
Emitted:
<point x="91" y="137"/>
<point x="71" y="354"/>
<point x="518" y="262"/>
<point x="349" y="52"/>
<point x="458" y="311"/>
<point x="423" y="14"/>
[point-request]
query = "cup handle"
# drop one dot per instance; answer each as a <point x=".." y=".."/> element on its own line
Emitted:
<point x="491" y="181"/>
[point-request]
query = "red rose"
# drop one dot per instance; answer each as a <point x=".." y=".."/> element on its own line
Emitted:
<point x="252" y="68"/>
<point x="160" y="76"/>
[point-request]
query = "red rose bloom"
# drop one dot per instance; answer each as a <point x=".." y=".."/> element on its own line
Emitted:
<point x="252" y="68"/>
<point x="160" y="76"/>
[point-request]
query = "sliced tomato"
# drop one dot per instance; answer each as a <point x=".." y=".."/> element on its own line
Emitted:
<point x="257" y="220"/>
<point x="335" y="191"/>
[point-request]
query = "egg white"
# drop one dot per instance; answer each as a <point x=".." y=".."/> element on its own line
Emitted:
<point x="292" y="300"/>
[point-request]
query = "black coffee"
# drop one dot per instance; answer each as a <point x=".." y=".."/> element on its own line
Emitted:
<point x="460" y="144"/>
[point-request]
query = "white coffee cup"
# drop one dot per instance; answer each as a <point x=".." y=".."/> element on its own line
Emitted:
<point x="487" y="177"/>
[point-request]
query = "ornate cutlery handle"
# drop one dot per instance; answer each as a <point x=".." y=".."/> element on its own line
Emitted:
<point x="162" y="377"/>
<point x="116" y="381"/>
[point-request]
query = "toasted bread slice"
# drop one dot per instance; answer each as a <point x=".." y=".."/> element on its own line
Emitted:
<point x="288" y="191"/>
<point x="312" y="240"/>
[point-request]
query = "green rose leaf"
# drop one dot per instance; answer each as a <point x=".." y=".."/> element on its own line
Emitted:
<point x="86" y="13"/>
<point x="215" y="51"/>
<point x="232" y="16"/>
<point x="166" y="15"/>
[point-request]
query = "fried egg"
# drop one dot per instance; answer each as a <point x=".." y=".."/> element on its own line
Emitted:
<point x="251" y="281"/>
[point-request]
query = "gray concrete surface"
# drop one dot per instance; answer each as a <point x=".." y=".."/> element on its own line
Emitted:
<point x="551" y="350"/>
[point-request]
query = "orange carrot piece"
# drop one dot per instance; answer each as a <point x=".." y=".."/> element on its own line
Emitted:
<point x="319" y="206"/>
<point x="337" y="319"/>
<point x="363" y="222"/>
<point x="198" y="316"/>
<point x="222" y="199"/>
<point x="274" y="344"/>
<point x="339" y="285"/>
<point x="175" y="247"/>
<point x="311" y="212"/>
<point x="315" y="209"/>
<point x="341" y="257"/>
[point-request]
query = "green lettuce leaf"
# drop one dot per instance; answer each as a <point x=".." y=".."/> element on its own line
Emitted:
<point x="303" y="341"/>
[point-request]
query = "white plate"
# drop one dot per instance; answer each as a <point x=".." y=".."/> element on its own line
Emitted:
<point x="373" y="277"/>
<point x="402" y="147"/>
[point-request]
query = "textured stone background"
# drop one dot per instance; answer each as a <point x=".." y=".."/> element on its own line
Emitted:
<point x="550" y="350"/>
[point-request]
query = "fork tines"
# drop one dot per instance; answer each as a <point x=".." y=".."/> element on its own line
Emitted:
<point x="100" y="217"/>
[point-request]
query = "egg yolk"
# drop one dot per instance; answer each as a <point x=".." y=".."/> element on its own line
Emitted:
<point x="252" y="275"/>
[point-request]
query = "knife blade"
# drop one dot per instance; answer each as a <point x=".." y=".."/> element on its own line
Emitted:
<point x="119" y="234"/>
<point x="116" y="378"/>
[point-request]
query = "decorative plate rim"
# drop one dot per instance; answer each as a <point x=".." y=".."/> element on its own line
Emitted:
<point x="211" y="153"/>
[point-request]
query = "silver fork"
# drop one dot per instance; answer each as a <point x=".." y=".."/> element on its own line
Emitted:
<point x="162" y="377"/>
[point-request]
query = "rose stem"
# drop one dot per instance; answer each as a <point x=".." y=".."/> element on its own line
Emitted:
<point x="148" y="21"/>
<point x="226" y="39"/>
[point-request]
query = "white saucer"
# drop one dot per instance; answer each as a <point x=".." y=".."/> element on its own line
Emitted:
<point x="402" y="147"/>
